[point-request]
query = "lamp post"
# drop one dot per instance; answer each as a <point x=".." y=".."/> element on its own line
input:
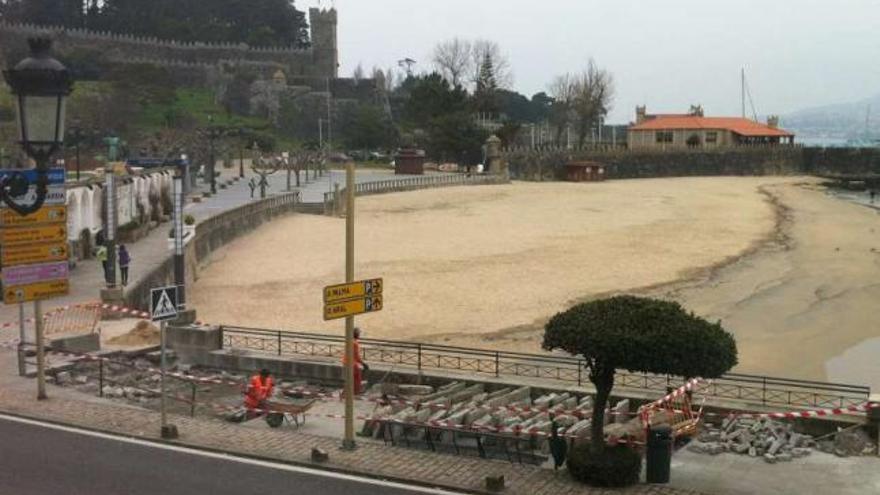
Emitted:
<point x="41" y="85"/>
<point x="76" y="134"/>
<point x="213" y="161"/>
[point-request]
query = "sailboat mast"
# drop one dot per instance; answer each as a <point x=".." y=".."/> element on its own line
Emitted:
<point x="743" y="91"/>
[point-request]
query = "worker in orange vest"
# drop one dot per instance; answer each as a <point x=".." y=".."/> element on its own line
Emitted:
<point x="259" y="390"/>
<point x="359" y="365"/>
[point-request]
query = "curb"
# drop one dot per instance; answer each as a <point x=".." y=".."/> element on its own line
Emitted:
<point x="301" y="464"/>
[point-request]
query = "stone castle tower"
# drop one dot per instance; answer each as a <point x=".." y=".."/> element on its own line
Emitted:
<point x="325" y="51"/>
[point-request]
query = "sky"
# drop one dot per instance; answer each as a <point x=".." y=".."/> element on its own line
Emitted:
<point x="664" y="54"/>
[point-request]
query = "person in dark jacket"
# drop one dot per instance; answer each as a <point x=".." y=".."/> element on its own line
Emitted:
<point x="124" y="260"/>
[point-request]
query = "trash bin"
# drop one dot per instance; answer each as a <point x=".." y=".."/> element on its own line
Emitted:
<point x="659" y="456"/>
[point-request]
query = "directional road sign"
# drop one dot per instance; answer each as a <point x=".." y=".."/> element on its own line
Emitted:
<point x="362" y="288"/>
<point x="29" y="235"/>
<point x="34" y="274"/>
<point x="56" y="175"/>
<point x="46" y="214"/>
<point x="163" y="303"/>
<point x="334" y="311"/>
<point x="33" y="253"/>
<point x="42" y="290"/>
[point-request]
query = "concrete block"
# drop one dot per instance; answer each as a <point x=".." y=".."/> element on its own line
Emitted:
<point x="784" y="457"/>
<point x="62" y="378"/>
<point x="90" y="342"/>
<point x="770" y="458"/>
<point x="775" y="446"/>
<point x="320" y="456"/>
<point x="415" y="389"/>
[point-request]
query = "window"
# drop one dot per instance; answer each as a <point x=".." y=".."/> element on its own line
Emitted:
<point x="712" y="137"/>
<point x="664" y="137"/>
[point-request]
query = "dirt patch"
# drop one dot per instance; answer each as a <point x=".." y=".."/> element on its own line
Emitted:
<point x="143" y="334"/>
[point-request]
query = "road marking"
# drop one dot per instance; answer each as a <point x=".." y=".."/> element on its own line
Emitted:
<point x="230" y="457"/>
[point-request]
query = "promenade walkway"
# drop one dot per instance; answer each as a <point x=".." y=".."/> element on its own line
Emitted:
<point x="87" y="279"/>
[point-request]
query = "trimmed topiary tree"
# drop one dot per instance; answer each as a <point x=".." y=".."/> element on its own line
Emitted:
<point x="638" y="334"/>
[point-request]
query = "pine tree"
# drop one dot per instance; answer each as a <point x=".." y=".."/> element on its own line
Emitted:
<point x="486" y="89"/>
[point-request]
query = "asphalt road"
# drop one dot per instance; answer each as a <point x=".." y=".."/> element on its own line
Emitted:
<point x="42" y="460"/>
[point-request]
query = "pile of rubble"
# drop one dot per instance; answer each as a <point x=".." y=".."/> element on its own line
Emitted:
<point x="775" y="441"/>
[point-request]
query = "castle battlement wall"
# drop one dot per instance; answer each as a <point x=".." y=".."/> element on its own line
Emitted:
<point x="320" y="60"/>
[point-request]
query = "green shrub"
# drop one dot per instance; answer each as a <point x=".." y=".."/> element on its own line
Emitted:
<point x="612" y="467"/>
<point x="189" y="220"/>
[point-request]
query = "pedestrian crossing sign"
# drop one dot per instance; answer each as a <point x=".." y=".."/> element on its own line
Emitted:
<point x="163" y="303"/>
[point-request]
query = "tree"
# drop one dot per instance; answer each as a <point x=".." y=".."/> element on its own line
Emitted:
<point x="452" y="59"/>
<point x="563" y="90"/>
<point x="638" y="334"/>
<point x="430" y="96"/>
<point x="594" y="93"/>
<point x="366" y="127"/>
<point x="581" y="99"/>
<point x="486" y="88"/>
<point x="486" y="49"/>
<point x="256" y="22"/>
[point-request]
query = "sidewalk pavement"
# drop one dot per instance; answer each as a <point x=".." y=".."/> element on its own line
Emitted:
<point x="66" y="406"/>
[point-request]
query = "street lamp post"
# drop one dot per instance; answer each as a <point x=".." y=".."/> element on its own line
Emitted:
<point x="41" y="85"/>
<point x="213" y="161"/>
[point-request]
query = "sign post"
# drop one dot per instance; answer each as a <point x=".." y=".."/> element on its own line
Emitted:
<point x="348" y="442"/>
<point x="163" y="306"/>
<point x="34" y="257"/>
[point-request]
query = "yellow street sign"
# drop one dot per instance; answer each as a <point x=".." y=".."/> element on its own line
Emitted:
<point x="28" y="235"/>
<point x="33" y="253"/>
<point x="46" y="214"/>
<point x="34" y="292"/>
<point x="353" y="307"/>
<point x="361" y="288"/>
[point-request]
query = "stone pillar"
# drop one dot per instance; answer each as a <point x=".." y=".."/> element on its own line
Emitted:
<point x="495" y="163"/>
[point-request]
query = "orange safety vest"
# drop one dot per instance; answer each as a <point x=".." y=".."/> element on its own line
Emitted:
<point x="258" y="391"/>
<point x="357" y="354"/>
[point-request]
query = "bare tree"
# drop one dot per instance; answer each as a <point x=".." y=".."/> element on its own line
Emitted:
<point x="453" y="59"/>
<point x="563" y="91"/>
<point x="594" y="94"/>
<point x="482" y="50"/>
<point x="582" y="100"/>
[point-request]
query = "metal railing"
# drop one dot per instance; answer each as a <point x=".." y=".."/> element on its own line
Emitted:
<point x="567" y="370"/>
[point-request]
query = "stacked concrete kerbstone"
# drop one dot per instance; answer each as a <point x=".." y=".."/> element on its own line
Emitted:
<point x="508" y="411"/>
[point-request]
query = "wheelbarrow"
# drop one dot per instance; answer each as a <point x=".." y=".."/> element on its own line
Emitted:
<point x="288" y="410"/>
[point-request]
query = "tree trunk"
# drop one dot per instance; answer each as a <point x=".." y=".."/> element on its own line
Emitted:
<point x="603" y="382"/>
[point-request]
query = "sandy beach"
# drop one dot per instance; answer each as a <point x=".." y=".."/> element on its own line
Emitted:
<point x="790" y="270"/>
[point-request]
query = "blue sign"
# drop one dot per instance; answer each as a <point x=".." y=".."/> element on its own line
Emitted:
<point x="55" y="175"/>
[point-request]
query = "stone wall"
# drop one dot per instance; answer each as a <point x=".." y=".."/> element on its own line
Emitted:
<point x="125" y="48"/>
<point x="764" y="160"/>
<point x="626" y="164"/>
<point x="834" y="161"/>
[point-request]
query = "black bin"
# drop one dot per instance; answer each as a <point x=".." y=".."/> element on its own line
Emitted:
<point x="659" y="455"/>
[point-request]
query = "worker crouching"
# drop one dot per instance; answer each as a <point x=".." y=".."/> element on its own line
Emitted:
<point x="259" y="391"/>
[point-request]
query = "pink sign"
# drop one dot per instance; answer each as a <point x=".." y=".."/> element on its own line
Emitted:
<point x="32" y="274"/>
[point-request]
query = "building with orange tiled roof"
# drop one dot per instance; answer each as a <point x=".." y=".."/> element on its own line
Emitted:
<point x="694" y="130"/>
